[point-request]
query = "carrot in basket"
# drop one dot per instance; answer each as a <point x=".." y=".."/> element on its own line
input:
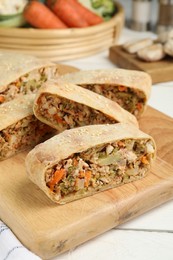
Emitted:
<point x="139" y="106"/>
<point x="89" y="16"/>
<point x="50" y="3"/>
<point x="67" y="12"/>
<point x="144" y="160"/>
<point x="38" y="15"/>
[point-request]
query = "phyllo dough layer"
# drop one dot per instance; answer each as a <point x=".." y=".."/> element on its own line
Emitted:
<point x="65" y="106"/>
<point x="130" y="89"/>
<point x="85" y="160"/>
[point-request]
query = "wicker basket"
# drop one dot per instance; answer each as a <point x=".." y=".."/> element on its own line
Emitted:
<point x="64" y="44"/>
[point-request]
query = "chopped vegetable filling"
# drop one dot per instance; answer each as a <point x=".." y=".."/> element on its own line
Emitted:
<point x="101" y="167"/>
<point x="27" y="84"/>
<point x="67" y="114"/>
<point x="21" y="135"/>
<point x="131" y="100"/>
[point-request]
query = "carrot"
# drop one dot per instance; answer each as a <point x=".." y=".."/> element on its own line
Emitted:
<point x="121" y="144"/>
<point x="49" y="3"/>
<point x="139" y="106"/>
<point x="90" y="17"/>
<point x="144" y="160"/>
<point x="81" y="174"/>
<point x="2" y="99"/>
<point x="57" y="176"/>
<point x="122" y="88"/>
<point x="75" y="162"/>
<point x="87" y="178"/>
<point x="38" y="15"/>
<point x="67" y="13"/>
<point x="58" y="119"/>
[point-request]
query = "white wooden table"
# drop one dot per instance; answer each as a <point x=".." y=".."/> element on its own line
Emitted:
<point x="149" y="236"/>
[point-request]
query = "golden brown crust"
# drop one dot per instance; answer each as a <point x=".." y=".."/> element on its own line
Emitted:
<point x="85" y="97"/>
<point x="65" y="69"/>
<point x="73" y="141"/>
<point x="15" y="110"/>
<point x="15" y="65"/>
<point x="136" y="80"/>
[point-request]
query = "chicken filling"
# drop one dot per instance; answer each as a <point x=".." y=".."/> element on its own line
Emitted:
<point x="101" y="167"/>
<point x="131" y="100"/>
<point x="21" y="135"/>
<point x="66" y="114"/>
<point x="27" y="84"/>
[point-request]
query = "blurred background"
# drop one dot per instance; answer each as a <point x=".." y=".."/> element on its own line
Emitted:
<point x="62" y="30"/>
<point x="152" y="12"/>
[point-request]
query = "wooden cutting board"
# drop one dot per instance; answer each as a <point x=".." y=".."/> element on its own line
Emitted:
<point x="160" y="71"/>
<point x="48" y="229"/>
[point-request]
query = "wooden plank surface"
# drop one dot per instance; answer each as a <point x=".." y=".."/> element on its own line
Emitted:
<point x="48" y="229"/>
<point x="160" y="127"/>
<point x="160" y="71"/>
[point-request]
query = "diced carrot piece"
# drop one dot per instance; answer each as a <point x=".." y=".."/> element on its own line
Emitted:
<point x="144" y="160"/>
<point x="75" y="162"/>
<point x="87" y="178"/>
<point x="122" y="88"/>
<point x="121" y="144"/>
<point x="2" y="99"/>
<point x="40" y="16"/>
<point x="57" y="176"/>
<point x="58" y="119"/>
<point x="139" y="106"/>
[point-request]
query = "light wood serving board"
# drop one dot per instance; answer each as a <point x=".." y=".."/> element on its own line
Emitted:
<point x="159" y="71"/>
<point x="48" y="229"/>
